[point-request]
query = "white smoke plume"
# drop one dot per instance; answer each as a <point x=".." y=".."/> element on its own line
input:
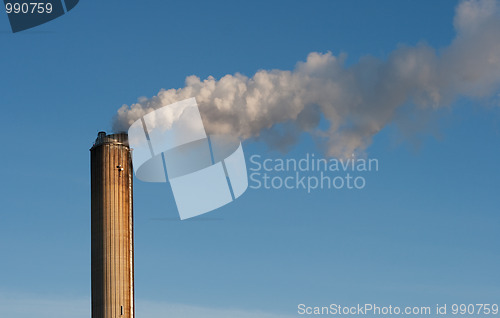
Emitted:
<point x="357" y="101"/>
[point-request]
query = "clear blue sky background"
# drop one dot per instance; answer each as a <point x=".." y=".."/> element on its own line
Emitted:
<point x="425" y="230"/>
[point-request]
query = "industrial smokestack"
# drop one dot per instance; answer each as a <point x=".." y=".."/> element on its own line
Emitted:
<point x="112" y="227"/>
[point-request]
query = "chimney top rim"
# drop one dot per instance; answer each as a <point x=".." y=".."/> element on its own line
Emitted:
<point x="115" y="139"/>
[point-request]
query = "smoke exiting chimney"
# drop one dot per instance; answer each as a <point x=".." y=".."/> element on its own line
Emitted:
<point x="112" y="227"/>
<point x="355" y="100"/>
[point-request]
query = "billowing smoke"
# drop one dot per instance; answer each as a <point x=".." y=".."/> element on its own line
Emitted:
<point x="357" y="101"/>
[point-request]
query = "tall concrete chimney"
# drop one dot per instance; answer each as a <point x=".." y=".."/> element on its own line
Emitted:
<point x="112" y="227"/>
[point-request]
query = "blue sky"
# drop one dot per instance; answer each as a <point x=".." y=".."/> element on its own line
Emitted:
<point x="423" y="231"/>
